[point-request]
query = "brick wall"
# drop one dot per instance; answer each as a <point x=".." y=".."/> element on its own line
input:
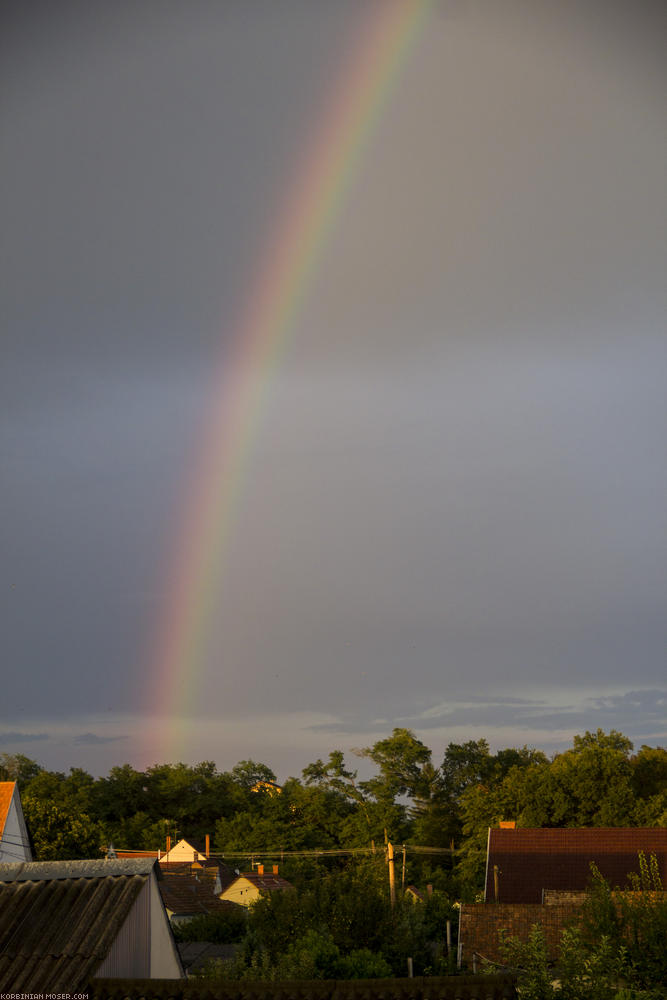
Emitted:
<point x="552" y="897"/>
<point x="481" y="923"/>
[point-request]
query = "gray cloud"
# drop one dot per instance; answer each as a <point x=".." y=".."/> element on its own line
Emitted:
<point x="91" y="739"/>
<point x="14" y="737"/>
<point x="457" y="483"/>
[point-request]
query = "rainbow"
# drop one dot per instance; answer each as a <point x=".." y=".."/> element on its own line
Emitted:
<point x="292" y="253"/>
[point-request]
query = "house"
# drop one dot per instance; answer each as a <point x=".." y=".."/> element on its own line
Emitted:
<point x="249" y="886"/>
<point x="63" y="923"/>
<point x="539" y="876"/>
<point x="186" y="896"/>
<point x="523" y="863"/>
<point x="194" y="888"/>
<point x="14" y="840"/>
<point x="413" y="894"/>
<point x="187" y="850"/>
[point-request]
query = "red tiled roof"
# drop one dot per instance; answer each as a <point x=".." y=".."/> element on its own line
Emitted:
<point x="530" y="860"/>
<point x="6" y="793"/>
<point x="136" y="854"/>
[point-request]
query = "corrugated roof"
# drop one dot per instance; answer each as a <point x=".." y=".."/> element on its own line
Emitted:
<point x="55" y="931"/>
<point x="530" y="860"/>
<point x="27" y="871"/>
<point x="6" y="793"/>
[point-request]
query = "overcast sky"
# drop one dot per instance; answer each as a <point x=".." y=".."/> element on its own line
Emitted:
<point x="454" y="513"/>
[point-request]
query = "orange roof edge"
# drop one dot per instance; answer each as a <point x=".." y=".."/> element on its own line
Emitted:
<point x="6" y="795"/>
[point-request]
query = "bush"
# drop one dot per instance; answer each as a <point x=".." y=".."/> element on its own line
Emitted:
<point x="225" y="927"/>
<point x="618" y="953"/>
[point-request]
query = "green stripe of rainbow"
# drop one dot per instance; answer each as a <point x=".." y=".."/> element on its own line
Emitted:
<point x="292" y="255"/>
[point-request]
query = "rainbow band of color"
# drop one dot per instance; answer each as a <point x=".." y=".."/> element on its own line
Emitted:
<point x="284" y="276"/>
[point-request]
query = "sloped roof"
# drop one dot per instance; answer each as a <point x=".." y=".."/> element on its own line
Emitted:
<point x="6" y="793"/>
<point x="207" y="869"/>
<point x="530" y="860"/>
<point x="33" y="870"/>
<point x="266" y="882"/>
<point x="194" y="844"/>
<point x="185" y="895"/>
<point x="56" y="930"/>
<point x="137" y="854"/>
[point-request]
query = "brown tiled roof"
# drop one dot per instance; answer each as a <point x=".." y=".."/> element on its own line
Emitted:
<point x="530" y="860"/>
<point x="6" y="792"/>
<point x="55" y="932"/>
<point x="267" y="882"/>
<point x="207" y="869"/>
<point x="185" y="895"/>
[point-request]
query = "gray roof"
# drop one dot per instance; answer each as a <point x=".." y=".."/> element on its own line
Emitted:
<point x="58" y="920"/>
<point x="99" y="868"/>
<point x="195" y="954"/>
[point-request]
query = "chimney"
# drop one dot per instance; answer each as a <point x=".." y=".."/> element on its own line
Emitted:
<point x="508" y="824"/>
<point x="260" y="869"/>
<point x="429" y="889"/>
<point x="275" y="869"/>
<point x="207" y="849"/>
<point x="168" y="843"/>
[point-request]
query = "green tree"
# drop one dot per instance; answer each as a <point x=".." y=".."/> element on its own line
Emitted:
<point x="337" y="778"/>
<point x="248" y="773"/>
<point x="225" y="927"/>
<point x="17" y="767"/>
<point x="599" y="761"/>
<point x="401" y="759"/>
<point x="617" y="951"/>
<point x="58" y="834"/>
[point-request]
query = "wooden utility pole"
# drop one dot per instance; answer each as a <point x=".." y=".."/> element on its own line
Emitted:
<point x="403" y="872"/>
<point x="392" y="876"/>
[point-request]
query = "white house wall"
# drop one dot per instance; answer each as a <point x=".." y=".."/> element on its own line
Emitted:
<point x="14" y="845"/>
<point x="129" y="957"/>
<point x="165" y="963"/>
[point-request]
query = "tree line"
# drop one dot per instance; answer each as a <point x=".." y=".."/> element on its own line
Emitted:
<point x="599" y="781"/>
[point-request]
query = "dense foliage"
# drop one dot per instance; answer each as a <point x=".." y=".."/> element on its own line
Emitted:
<point x="408" y="800"/>
<point x="339" y="924"/>
<point x="617" y="953"/>
<point x="329" y="828"/>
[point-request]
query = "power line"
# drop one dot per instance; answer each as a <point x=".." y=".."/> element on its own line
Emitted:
<point x="329" y="851"/>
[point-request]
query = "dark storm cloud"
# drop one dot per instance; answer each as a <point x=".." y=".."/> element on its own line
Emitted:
<point x="146" y="150"/>
<point x="457" y="491"/>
